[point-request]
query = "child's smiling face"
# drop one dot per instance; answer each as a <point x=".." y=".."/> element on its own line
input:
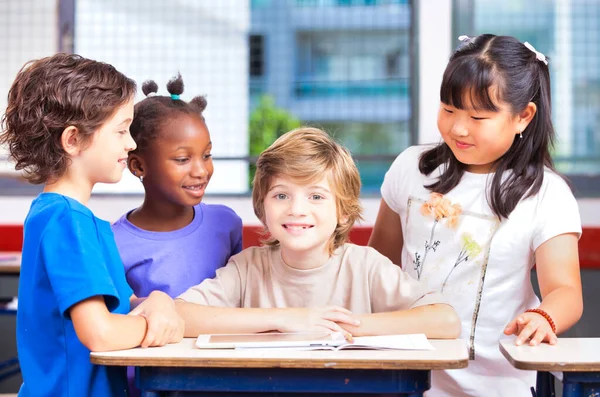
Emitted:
<point x="178" y="163"/>
<point x="302" y="217"/>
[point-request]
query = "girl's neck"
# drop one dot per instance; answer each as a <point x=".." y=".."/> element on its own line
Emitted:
<point x="158" y="217"/>
<point x="305" y="260"/>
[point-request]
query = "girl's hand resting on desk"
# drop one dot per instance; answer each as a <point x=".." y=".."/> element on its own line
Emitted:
<point x="533" y="327"/>
<point x="316" y="319"/>
<point x="164" y="324"/>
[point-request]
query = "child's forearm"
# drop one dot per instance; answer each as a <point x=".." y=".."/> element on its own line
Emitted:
<point x="435" y="321"/>
<point x="565" y="306"/>
<point x="201" y="319"/>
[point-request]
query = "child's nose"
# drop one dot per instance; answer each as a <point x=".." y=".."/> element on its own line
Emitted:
<point x="199" y="169"/>
<point x="297" y="207"/>
<point x="459" y="129"/>
<point x="130" y="144"/>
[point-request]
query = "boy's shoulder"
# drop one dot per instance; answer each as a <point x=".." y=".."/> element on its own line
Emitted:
<point x="361" y="255"/>
<point x="254" y="254"/>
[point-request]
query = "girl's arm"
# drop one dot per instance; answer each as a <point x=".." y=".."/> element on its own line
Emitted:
<point x="100" y="330"/>
<point x="557" y="266"/>
<point x="201" y="319"/>
<point x="387" y="234"/>
<point x="438" y="321"/>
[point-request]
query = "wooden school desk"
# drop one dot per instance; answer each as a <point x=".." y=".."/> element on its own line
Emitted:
<point x="182" y="367"/>
<point x="577" y="358"/>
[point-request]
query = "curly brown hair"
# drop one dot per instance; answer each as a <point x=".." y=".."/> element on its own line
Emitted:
<point x="307" y="154"/>
<point x="51" y="94"/>
<point x="155" y="111"/>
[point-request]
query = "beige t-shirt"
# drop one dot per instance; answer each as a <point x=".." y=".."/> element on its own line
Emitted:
<point x="355" y="277"/>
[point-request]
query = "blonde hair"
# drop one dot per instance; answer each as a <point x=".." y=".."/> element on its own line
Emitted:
<point x="305" y="155"/>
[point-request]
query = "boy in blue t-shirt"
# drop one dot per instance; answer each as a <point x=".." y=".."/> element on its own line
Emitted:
<point x="67" y="126"/>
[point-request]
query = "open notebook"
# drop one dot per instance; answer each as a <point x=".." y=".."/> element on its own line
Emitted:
<point x="312" y="341"/>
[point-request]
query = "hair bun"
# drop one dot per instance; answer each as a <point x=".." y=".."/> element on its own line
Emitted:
<point x="175" y="85"/>
<point x="149" y="87"/>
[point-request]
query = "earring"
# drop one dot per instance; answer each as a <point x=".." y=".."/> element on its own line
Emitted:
<point x="521" y="134"/>
<point x="141" y="178"/>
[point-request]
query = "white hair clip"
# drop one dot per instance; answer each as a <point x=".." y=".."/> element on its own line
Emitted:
<point x="464" y="38"/>
<point x="538" y="55"/>
<point x="151" y="94"/>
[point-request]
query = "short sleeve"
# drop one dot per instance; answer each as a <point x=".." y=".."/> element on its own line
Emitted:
<point x="392" y="289"/>
<point x="557" y="211"/>
<point x="225" y="290"/>
<point x="75" y="263"/>
<point x="396" y="178"/>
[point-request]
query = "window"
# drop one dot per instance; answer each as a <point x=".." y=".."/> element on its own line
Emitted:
<point x="567" y="32"/>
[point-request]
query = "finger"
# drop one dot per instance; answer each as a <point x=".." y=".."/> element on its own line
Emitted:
<point x="552" y="338"/>
<point x="341" y="318"/>
<point x="148" y="339"/>
<point x="138" y="310"/>
<point x="338" y="309"/>
<point x="526" y="333"/>
<point x="330" y="325"/>
<point x="511" y="327"/>
<point x="538" y="337"/>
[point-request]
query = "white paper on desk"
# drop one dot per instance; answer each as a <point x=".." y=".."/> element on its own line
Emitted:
<point x="380" y="342"/>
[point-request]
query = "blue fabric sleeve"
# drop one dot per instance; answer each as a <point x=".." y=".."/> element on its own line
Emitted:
<point x="74" y="261"/>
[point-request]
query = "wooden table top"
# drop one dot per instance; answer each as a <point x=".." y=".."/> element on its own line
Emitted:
<point x="569" y="354"/>
<point x="449" y="354"/>
<point x="10" y="262"/>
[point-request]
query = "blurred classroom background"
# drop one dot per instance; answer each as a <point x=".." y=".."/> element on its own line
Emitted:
<point x="367" y="71"/>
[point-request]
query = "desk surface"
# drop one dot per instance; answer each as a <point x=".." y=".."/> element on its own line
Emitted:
<point x="569" y="354"/>
<point x="10" y="262"/>
<point x="449" y="354"/>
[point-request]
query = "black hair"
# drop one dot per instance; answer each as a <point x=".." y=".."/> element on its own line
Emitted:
<point x="151" y="114"/>
<point x="476" y="66"/>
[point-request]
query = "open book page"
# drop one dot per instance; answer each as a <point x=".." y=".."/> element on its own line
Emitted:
<point x="382" y="342"/>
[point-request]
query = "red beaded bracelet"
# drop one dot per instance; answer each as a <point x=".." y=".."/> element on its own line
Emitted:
<point x="546" y="316"/>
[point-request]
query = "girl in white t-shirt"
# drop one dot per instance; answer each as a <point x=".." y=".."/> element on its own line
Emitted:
<point x="473" y="214"/>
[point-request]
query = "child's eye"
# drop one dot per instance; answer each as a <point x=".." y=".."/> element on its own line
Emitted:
<point x="478" y="118"/>
<point x="123" y="132"/>
<point x="448" y="111"/>
<point x="280" y="196"/>
<point x="316" y="197"/>
<point x="207" y="156"/>
<point x="181" y="159"/>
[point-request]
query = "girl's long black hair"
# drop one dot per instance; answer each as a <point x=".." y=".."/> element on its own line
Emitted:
<point x="477" y="66"/>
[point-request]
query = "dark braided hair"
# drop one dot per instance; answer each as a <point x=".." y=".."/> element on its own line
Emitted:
<point x="153" y="112"/>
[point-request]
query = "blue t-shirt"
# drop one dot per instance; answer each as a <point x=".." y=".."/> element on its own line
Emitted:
<point x="69" y="255"/>
<point x="174" y="261"/>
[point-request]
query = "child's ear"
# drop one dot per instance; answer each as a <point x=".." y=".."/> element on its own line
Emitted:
<point x="136" y="165"/>
<point x="526" y="115"/>
<point x="71" y="141"/>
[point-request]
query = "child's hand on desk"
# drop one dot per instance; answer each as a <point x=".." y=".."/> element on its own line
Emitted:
<point x="532" y="326"/>
<point x="164" y="324"/>
<point x="316" y="319"/>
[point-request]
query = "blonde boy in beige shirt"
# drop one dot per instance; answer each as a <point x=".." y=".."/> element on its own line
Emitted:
<point x="306" y="194"/>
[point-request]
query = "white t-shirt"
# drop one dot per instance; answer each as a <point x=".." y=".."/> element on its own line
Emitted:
<point x="480" y="264"/>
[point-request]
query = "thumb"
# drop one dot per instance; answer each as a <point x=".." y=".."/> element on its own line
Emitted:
<point x="137" y="311"/>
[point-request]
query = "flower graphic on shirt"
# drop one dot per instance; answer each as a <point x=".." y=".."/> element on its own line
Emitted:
<point x="470" y="249"/>
<point x="442" y="211"/>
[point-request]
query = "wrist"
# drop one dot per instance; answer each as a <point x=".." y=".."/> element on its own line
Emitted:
<point x="544" y="314"/>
